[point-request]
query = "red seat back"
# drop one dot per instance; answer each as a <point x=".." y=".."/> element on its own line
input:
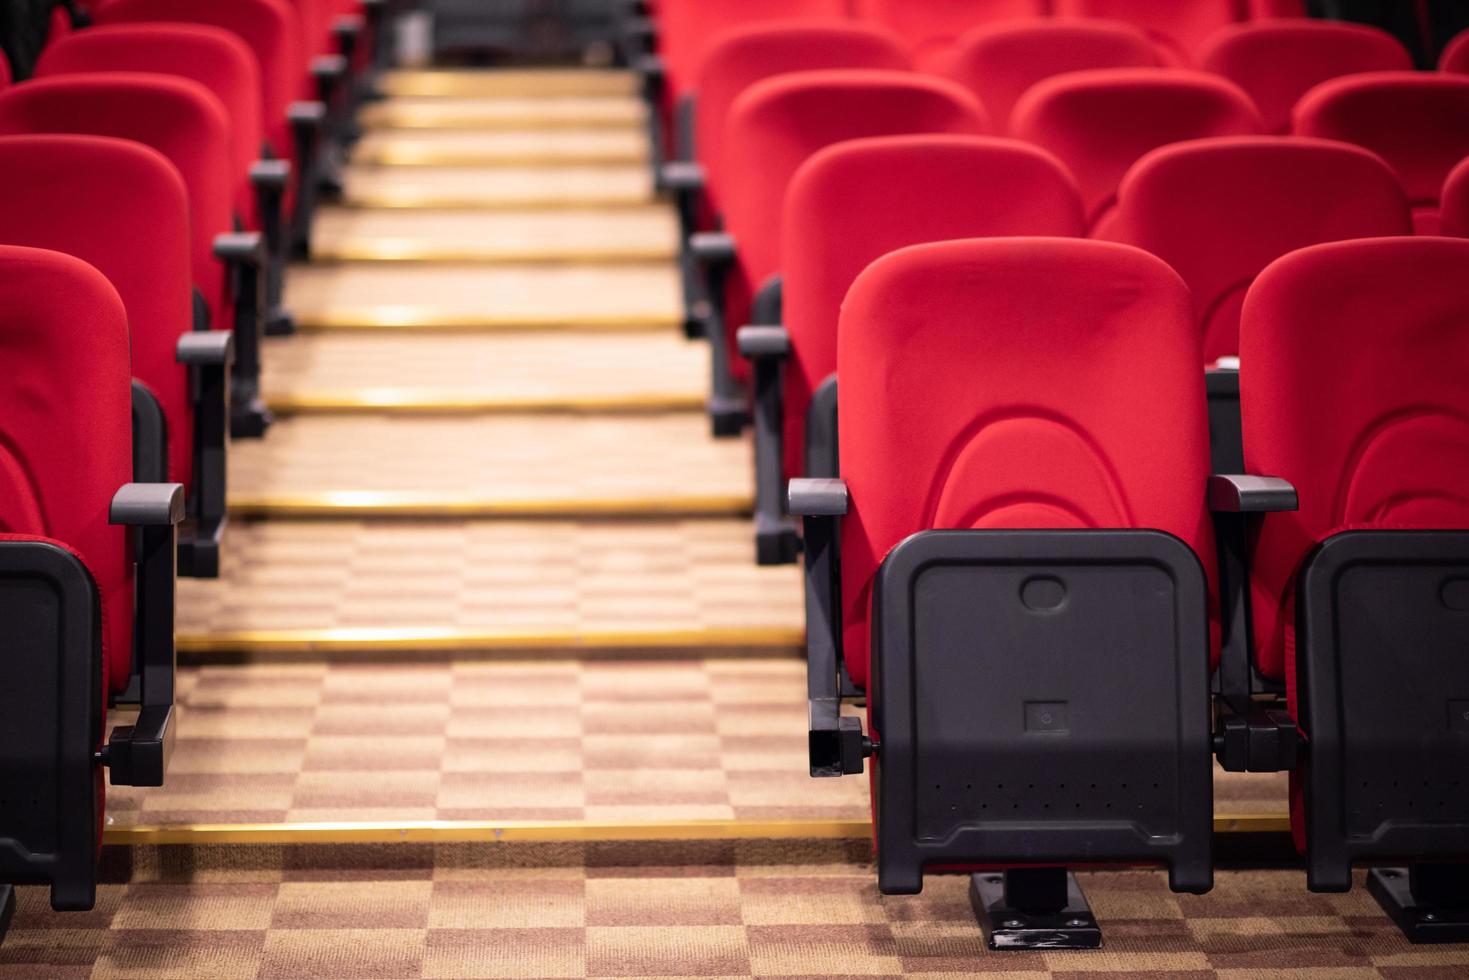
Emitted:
<point x="1455" y="202"/>
<point x="1000" y="62"/>
<point x="1179" y="27"/>
<point x="174" y="116"/>
<point x="1099" y="123"/>
<point x="122" y="208"/>
<point x="688" y="28"/>
<point x="779" y="123"/>
<point x="1266" y="9"/>
<point x="1277" y="62"/>
<point x="269" y="27"/>
<point x="1417" y="121"/>
<point x="4" y="70"/>
<point x="211" y="56"/>
<point x="929" y="26"/>
<point x="994" y="384"/>
<point x="315" y="17"/>
<point x="1353" y="359"/>
<point x="66" y="424"/>
<point x="1219" y="211"/>
<point x="1455" y="57"/>
<point x="746" y="55"/>
<point x="852" y="203"/>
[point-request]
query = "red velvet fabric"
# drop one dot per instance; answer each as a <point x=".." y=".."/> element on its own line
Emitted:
<point x="1353" y="359"/>
<point x="122" y="208"/>
<point x="930" y="26"/>
<point x="211" y="56"/>
<point x="1099" y="123"/>
<point x="780" y="122"/>
<point x="1277" y="62"/>
<point x="1265" y="9"/>
<point x="1455" y="57"/>
<point x="689" y="28"/>
<point x="1000" y="62"/>
<point x="852" y="203"/>
<point x="270" y="28"/>
<point x="4" y="70"/>
<point x="1455" y="202"/>
<point x="1417" y="121"/>
<point x="175" y="116"/>
<point x="66" y="423"/>
<point x="746" y="55"/>
<point x="1039" y="383"/>
<point x="1220" y="210"/>
<point x="1179" y="27"/>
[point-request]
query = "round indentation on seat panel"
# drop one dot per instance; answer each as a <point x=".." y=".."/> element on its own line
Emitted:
<point x="1043" y="593"/>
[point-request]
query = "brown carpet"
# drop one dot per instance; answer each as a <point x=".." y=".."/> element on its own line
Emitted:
<point x="738" y="910"/>
<point x="503" y="741"/>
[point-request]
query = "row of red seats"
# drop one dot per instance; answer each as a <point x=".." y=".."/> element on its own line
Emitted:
<point x="1014" y="547"/>
<point x="164" y="163"/>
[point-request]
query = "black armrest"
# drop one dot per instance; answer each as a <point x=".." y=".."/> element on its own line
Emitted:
<point x="271" y="179"/>
<point x="210" y="357"/>
<point x="244" y="255"/>
<point x="308" y="123"/>
<point x="836" y="745"/>
<point x="1244" y="494"/>
<point x="713" y="248"/>
<point x="767" y="347"/>
<point x="328" y="70"/>
<point x="138" y="754"/>
<point x="683" y="176"/>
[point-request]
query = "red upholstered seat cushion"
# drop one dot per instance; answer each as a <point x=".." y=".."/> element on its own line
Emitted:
<point x="211" y="56"/>
<point x="1417" y="121"/>
<point x="1099" y="123"/>
<point x="746" y="55"/>
<point x="1455" y="57"/>
<point x="1015" y="383"/>
<point x="854" y="202"/>
<point x="932" y="25"/>
<point x="689" y="28"/>
<point x="175" y="116"/>
<point x="66" y="423"/>
<point x="1179" y="27"/>
<point x="1220" y="210"/>
<point x="121" y="207"/>
<point x="1353" y="360"/>
<point x="269" y="27"/>
<point x="1455" y="202"/>
<point x="780" y="122"/>
<point x="1277" y="62"/>
<point x="1000" y="62"/>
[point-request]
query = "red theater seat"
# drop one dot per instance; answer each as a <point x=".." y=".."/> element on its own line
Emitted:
<point x="4" y="70"/>
<point x="1010" y="491"/>
<point x="1352" y="389"/>
<point x="772" y="129"/>
<point x="1179" y="28"/>
<point x="1455" y="57"/>
<point x="1220" y="210"/>
<point x="121" y="207"/>
<point x="847" y="206"/>
<point x="1455" y="202"/>
<point x="67" y="512"/>
<point x="1266" y="9"/>
<point x="1277" y="62"/>
<point x="1417" y="121"/>
<point x="930" y="26"/>
<point x="187" y="124"/>
<point x="221" y="62"/>
<point x="272" y="29"/>
<point x="1000" y="62"/>
<point x="1101" y="122"/>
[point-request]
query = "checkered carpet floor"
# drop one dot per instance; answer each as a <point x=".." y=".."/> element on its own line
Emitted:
<point x="736" y="910"/>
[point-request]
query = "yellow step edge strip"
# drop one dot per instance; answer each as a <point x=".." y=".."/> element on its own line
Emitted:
<point x="424" y="157"/>
<point x="386" y="250"/>
<point x="372" y="503"/>
<point x="430" y="401"/>
<point x="441" y="640"/>
<point x="428" y="201"/>
<point x="465" y="832"/>
<point x="388" y="318"/>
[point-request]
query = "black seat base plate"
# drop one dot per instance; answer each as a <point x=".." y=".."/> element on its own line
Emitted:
<point x="1421" y="923"/>
<point x="1008" y="928"/>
